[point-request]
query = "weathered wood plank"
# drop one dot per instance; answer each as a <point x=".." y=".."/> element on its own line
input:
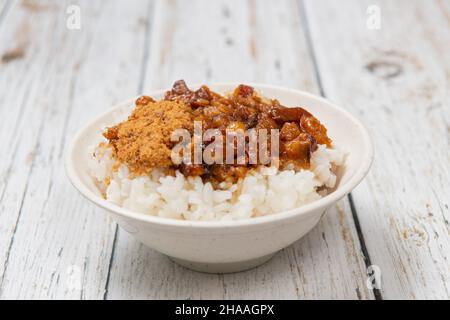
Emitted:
<point x="53" y="243"/>
<point x="397" y="80"/>
<point x="233" y="41"/>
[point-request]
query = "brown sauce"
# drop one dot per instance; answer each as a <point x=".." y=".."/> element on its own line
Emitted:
<point x="299" y="131"/>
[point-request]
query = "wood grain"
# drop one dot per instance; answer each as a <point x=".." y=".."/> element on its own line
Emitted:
<point x="397" y="80"/>
<point x="232" y="41"/>
<point x="53" y="243"/>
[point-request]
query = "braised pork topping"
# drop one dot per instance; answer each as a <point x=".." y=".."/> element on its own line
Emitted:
<point x="143" y="141"/>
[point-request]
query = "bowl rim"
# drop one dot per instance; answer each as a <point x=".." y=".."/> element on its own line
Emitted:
<point x="325" y="202"/>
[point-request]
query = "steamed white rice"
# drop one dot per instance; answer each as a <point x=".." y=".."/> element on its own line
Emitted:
<point x="262" y="192"/>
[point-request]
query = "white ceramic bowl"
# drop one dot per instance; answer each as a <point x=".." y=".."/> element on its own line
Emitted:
<point x="216" y="246"/>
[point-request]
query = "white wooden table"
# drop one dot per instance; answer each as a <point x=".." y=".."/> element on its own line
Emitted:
<point x="395" y="76"/>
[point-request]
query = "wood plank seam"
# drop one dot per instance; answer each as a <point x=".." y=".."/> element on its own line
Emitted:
<point x="147" y="43"/>
<point x="36" y="267"/>
<point x="365" y="251"/>
<point x="316" y="272"/>
<point x="111" y="261"/>
<point x="392" y="81"/>
<point x="22" y="198"/>
<point x="307" y="32"/>
<point x="41" y="127"/>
